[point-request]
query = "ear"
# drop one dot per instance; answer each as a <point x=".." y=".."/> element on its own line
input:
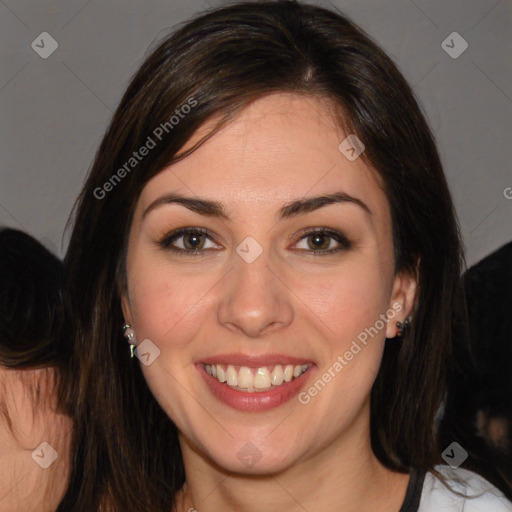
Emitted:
<point x="125" y="306"/>
<point x="123" y="293"/>
<point x="402" y="300"/>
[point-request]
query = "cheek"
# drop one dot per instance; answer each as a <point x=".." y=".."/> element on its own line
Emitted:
<point x="349" y="304"/>
<point x="350" y="299"/>
<point x="165" y="301"/>
<point x="166" y="304"/>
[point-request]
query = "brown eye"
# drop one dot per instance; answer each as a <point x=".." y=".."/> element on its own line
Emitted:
<point x="193" y="241"/>
<point x="323" y="241"/>
<point x="318" y="241"/>
<point x="188" y="241"/>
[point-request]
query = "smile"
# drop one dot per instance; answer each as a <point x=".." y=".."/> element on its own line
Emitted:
<point x="263" y="378"/>
<point x="255" y="383"/>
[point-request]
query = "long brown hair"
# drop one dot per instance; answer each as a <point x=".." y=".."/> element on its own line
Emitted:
<point x="127" y="455"/>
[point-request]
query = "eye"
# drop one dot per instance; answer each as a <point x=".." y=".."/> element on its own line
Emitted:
<point x="192" y="241"/>
<point x="196" y="241"/>
<point x="321" y="241"/>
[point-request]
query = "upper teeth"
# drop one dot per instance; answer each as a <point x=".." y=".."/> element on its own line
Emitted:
<point x="262" y="378"/>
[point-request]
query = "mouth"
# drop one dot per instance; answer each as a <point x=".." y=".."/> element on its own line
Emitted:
<point x="255" y="384"/>
<point x="261" y="379"/>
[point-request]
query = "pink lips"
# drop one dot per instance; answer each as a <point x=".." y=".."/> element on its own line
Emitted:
<point x="259" y="400"/>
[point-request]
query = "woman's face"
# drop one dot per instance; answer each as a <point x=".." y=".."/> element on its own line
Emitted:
<point x="263" y="299"/>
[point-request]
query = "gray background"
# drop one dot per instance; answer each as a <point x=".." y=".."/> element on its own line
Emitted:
<point x="54" y="111"/>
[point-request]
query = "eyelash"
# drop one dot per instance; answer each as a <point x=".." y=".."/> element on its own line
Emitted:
<point x="166" y="242"/>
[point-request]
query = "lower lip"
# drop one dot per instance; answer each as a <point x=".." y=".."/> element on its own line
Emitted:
<point x="257" y="400"/>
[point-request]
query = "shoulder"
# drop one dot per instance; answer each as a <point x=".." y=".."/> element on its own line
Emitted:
<point x="468" y="492"/>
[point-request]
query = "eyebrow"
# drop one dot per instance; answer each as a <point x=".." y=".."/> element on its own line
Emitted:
<point x="292" y="209"/>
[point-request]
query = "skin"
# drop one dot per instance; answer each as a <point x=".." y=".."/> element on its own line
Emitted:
<point x="25" y="485"/>
<point x="281" y="148"/>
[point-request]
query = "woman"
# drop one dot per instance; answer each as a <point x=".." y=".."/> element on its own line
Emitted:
<point x="35" y="422"/>
<point x="268" y="222"/>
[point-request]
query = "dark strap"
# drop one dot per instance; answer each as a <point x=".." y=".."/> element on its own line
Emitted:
<point x="413" y="494"/>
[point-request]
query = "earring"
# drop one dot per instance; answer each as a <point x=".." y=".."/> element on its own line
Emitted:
<point x="129" y="335"/>
<point x="402" y="326"/>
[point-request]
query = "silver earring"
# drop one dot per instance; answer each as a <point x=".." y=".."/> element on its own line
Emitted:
<point x="129" y="335"/>
<point x="402" y="326"/>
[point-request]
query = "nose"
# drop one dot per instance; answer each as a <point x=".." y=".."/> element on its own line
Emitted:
<point x="254" y="299"/>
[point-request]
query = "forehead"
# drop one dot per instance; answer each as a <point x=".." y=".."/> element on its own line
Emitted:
<point x="281" y="147"/>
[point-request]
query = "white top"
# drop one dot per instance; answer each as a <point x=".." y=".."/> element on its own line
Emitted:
<point x="435" y="497"/>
